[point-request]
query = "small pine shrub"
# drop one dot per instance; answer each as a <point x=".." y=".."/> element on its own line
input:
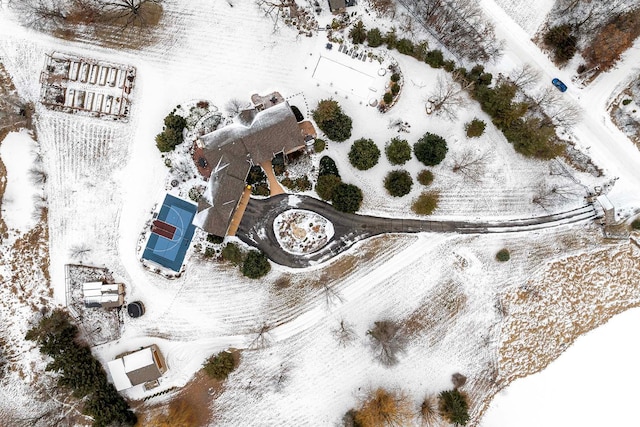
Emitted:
<point x="395" y="77"/>
<point x="319" y="145"/>
<point x="503" y="255"/>
<point x="398" y="183"/>
<point x="255" y="265"/>
<point x="453" y="407"/>
<point x="231" y="252"/>
<point x="388" y="98"/>
<point x="636" y="224"/>
<point x="425" y="177"/>
<point x="426" y="203"/>
<point x="220" y="365"/>
<point x="475" y="128"/>
<point x="626" y="101"/>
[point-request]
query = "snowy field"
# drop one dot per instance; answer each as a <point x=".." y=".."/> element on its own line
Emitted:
<point x="599" y="362"/>
<point x="104" y="179"/>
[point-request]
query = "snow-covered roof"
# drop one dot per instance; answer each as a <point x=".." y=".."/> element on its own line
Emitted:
<point x="133" y="369"/>
<point x="118" y="375"/>
<point x="232" y="149"/>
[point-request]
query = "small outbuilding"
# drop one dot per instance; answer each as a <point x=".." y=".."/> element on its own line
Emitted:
<point x="144" y="366"/>
<point x="106" y="295"/>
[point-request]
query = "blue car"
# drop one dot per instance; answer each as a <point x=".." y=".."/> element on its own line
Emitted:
<point x="558" y="83"/>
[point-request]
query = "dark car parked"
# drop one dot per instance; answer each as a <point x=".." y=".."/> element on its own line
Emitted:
<point x="558" y="83"/>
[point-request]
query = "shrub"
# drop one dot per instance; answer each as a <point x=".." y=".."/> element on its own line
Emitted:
<point x="256" y="174"/>
<point x="398" y="151"/>
<point x="171" y="134"/>
<point x="374" y="37"/>
<point x="429" y="411"/>
<point x="319" y="145"/>
<point x="434" y="58"/>
<point x="358" y="33"/>
<point x="332" y="121"/>
<point x="328" y="167"/>
<point x="430" y="149"/>
<point x="260" y="189"/>
<point x="209" y="252"/>
<point x="395" y="77"/>
<point x="562" y="42"/>
<point x="220" y="365"/>
<point x="232" y="253"/>
<point x="326" y="185"/>
<point x="449" y="65"/>
<point x="398" y="183"/>
<point x="387" y="97"/>
<point x="503" y="255"/>
<point x="391" y="38"/>
<point x="255" y="265"/>
<point x="216" y="240"/>
<point x="425" y="177"/>
<point x="395" y="89"/>
<point x="426" y="203"/>
<point x="364" y="154"/>
<point x="347" y="198"/>
<point x="636" y="224"/>
<point x="626" y="101"/>
<point x="405" y="46"/>
<point x="384" y="408"/>
<point x="453" y="407"/>
<point x="475" y="128"/>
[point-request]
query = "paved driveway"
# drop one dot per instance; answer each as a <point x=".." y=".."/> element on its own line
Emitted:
<point x="256" y="228"/>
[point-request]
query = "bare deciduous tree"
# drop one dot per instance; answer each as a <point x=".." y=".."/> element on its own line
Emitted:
<point x="79" y="251"/>
<point x="428" y="414"/>
<point x="344" y="333"/>
<point x="331" y="295"/>
<point x="261" y="339"/>
<point x="131" y="14"/>
<point x="524" y="76"/>
<point x="387" y="342"/>
<point x="547" y="195"/>
<point x="460" y="25"/>
<point x="447" y="97"/>
<point x="471" y="164"/>
<point x="384" y="7"/>
<point x="235" y="105"/>
<point x="275" y="9"/>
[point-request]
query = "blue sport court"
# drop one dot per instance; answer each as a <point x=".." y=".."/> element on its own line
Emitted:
<point x="171" y="233"/>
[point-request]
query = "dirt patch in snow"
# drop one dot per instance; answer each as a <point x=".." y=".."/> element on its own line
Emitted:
<point x="302" y="232"/>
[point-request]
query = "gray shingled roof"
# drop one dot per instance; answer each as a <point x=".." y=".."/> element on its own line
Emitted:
<point x="232" y="150"/>
<point x="144" y="374"/>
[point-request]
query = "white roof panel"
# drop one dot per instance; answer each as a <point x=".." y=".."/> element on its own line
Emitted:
<point x="138" y="360"/>
<point x="118" y="375"/>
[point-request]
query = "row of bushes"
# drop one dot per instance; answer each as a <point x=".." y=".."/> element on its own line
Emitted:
<point x="375" y="38"/>
<point x="431" y="149"/>
<point x="382" y="407"/>
<point x="79" y="371"/>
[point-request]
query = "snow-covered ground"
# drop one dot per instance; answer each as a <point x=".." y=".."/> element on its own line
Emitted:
<point x="18" y="153"/>
<point x="581" y="388"/>
<point x="105" y="178"/>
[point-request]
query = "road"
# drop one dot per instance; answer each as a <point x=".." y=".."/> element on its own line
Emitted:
<point x="256" y="227"/>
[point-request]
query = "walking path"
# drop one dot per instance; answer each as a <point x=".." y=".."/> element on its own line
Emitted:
<point x="256" y="228"/>
<point x="274" y="186"/>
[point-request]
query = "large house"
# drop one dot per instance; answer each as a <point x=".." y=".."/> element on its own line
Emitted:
<point x="256" y="138"/>
<point x="144" y="366"/>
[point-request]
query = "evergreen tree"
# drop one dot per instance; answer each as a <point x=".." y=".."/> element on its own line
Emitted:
<point x="364" y="154"/>
<point x="453" y="407"/>
<point x="398" y="151"/>
<point x="430" y="149"/>
<point x="347" y="198"/>
<point x="358" y="33"/>
<point x="374" y="37"/>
